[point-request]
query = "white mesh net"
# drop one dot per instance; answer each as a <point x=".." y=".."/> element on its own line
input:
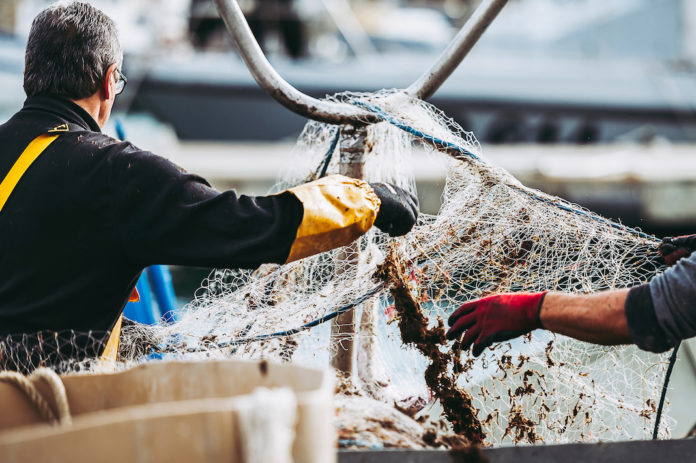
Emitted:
<point x="491" y="235"/>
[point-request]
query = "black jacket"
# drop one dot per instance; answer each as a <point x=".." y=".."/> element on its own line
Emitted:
<point x="91" y="213"/>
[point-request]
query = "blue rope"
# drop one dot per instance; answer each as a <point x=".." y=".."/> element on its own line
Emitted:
<point x="451" y="146"/>
<point x="299" y="329"/>
<point x="415" y="132"/>
<point x="321" y="170"/>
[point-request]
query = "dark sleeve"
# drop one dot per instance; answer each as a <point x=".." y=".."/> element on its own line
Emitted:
<point x="674" y="297"/>
<point x="642" y="321"/>
<point x="165" y="215"/>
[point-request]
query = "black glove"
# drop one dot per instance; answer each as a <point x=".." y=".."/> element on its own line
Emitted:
<point x="673" y="249"/>
<point x="399" y="210"/>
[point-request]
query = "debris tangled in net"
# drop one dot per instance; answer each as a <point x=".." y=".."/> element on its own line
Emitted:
<point x="410" y="387"/>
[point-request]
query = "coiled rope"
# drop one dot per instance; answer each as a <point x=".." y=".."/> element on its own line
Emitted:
<point x="32" y="393"/>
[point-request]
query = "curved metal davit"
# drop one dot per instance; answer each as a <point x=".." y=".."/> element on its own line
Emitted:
<point x="277" y="87"/>
<point x="340" y="113"/>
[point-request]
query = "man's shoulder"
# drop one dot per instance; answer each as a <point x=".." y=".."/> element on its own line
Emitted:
<point x="87" y="139"/>
<point x="97" y="145"/>
<point x="120" y="154"/>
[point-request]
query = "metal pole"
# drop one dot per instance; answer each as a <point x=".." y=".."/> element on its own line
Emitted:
<point x="457" y="50"/>
<point x="274" y="84"/>
<point x="352" y="163"/>
<point x="366" y="354"/>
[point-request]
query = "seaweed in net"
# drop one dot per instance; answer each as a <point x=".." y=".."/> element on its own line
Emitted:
<point x="439" y="375"/>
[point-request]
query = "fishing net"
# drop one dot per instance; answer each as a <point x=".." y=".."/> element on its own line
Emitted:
<point x="382" y="301"/>
<point x="63" y="351"/>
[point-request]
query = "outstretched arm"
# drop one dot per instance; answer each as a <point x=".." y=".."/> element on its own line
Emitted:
<point x="599" y="318"/>
<point x="655" y="316"/>
<point x="622" y="316"/>
<point x="162" y="214"/>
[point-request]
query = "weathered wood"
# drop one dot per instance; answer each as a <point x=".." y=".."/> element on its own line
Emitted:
<point x="166" y="411"/>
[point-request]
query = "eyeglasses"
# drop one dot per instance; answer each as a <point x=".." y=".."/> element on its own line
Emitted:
<point x="120" y="81"/>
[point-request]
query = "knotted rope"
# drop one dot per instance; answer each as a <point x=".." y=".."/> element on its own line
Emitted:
<point x="29" y="389"/>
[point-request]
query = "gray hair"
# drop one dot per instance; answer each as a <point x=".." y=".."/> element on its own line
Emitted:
<point x="71" y="45"/>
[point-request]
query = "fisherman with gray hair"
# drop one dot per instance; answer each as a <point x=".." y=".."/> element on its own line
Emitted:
<point x="81" y="214"/>
<point x="84" y="40"/>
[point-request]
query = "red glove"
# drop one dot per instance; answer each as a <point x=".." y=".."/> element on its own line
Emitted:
<point x="673" y="249"/>
<point x="495" y="318"/>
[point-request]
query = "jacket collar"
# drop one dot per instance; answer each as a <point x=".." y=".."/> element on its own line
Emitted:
<point x="63" y="108"/>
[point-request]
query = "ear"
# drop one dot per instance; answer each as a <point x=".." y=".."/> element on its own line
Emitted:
<point x="108" y="84"/>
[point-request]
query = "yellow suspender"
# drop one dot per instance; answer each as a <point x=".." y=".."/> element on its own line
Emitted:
<point x="111" y="350"/>
<point x="25" y="160"/>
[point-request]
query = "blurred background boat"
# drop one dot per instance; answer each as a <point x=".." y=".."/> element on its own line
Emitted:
<point x="518" y="100"/>
<point x="603" y="73"/>
<point x="547" y="71"/>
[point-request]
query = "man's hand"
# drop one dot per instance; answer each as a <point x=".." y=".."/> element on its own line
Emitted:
<point x="495" y="318"/>
<point x="673" y="249"/>
<point x="399" y="210"/>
